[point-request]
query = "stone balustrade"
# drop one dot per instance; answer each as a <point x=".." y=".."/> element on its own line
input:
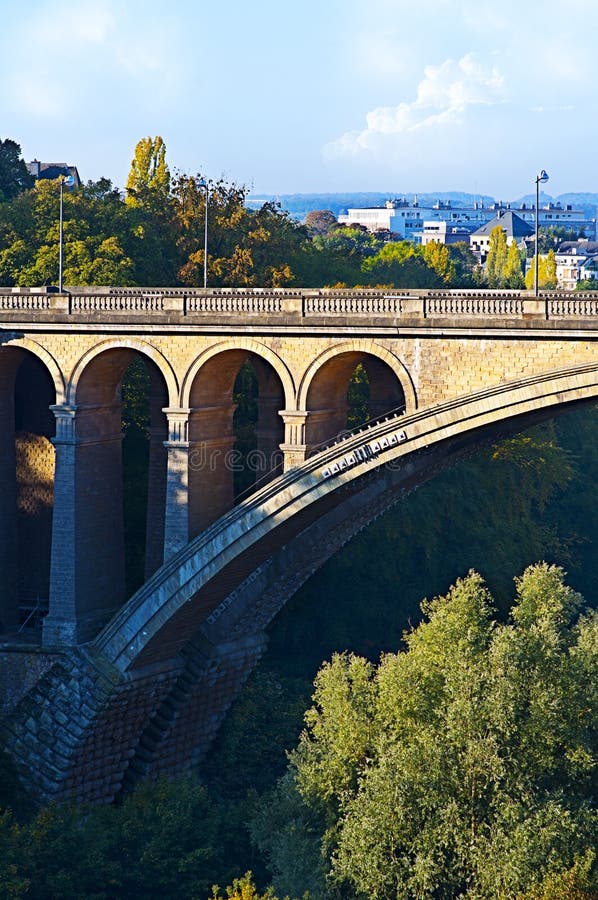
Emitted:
<point x="292" y="304"/>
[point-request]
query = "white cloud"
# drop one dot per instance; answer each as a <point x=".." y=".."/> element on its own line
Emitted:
<point x="442" y="96"/>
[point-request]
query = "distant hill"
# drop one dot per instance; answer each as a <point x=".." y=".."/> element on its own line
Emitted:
<point x="298" y="205"/>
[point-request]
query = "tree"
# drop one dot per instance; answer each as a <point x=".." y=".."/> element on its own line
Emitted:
<point x="438" y="258"/>
<point x="242" y="889"/>
<point x="587" y="284"/>
<point x="463" y="766"/>
<point x="14" y="175"/>
<point x="512" y="276"/>
<point x="401" y="264"/>
<point x="149" y="178"/>
<point x="497" y="257"/>
<point x="546" y="272"/>
<point x="321" y="221"/>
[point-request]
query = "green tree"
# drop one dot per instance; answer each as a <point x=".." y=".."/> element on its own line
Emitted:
<point x="465" y="765"/>
<point x="401" y="264"/>
<point x="14" y="174"/>
<point x="497" y="257"/>
<point x="97" y="239"/>
<point x="242" y="889"/>
<point x="438" y="258"/>
<point x="148" y="181"/>
<point x="151" y="222"/>
<point x="546" y="272"/>
<point x="163" y="841"/>
<point x="587" y="284"/>
<point x="512" y="274"/>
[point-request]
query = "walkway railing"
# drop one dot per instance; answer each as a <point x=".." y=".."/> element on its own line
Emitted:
<point x="305" y="305"/>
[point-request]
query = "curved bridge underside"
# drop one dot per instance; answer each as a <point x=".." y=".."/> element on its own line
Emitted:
<point x="162" y="673"/>
<point x="368" y="469"/>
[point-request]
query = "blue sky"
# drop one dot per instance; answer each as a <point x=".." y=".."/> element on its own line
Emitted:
<point x="321" y="95"/>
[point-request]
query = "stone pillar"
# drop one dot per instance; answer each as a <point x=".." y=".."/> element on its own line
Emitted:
<point x="87" y="573"/>
<point x="60" y="625"/>
<point x="293" y="448"/>
<point x="176" y="513"/>
<point x="211" y="464"/>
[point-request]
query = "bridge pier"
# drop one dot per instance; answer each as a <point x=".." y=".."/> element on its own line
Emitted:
<point x="87" y="579"/>
<point x="176" y="516"/>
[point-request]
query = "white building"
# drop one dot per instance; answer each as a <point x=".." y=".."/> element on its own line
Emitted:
<point x="443" y="233"/>
<point x="405" y="220"/>
<point x="576" y="261"/>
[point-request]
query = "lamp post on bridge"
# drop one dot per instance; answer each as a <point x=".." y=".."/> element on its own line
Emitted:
<point x="69" y="181"/>
<point x="542" y="176"/>
<point x="203" y="183"/>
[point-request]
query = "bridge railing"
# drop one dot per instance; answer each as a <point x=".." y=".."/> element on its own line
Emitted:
<point x="296" y="304"/>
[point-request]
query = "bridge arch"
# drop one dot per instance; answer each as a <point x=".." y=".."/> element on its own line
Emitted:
<point x="361" y="346"/>
<point x="31" y="382"/>
<point x="324" y="391"/>
<point x="241" y="343"/>
<point x="234" y="393"/>
<point x="44" y="357"/>
<point x="132" y="344"/>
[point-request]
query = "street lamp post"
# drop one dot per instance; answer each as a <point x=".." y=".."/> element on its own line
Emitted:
<point x="204" y="184"/>
<point x="68" y="180"/>
<point x="541" y="177"/>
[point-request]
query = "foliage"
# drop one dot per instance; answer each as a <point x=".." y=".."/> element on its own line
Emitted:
<point x="587" y="284"/>
<point x="401" y="264"/>
<point x="497" y="257"/>
<point x="14" y="174"/>
<point x="512" y="274"/>
<point x="94" y="237"/>
<point x="462" y="766"/>
<point x="287" y="833"/>
<point x="546" y="272"/>
<point x="242" y="889"/>
<point x="245" y="248"/>
<point x="163" y="841"/>
<point x="550" y="237"/>
<point x="321" y="221"/>
<point x="148" y="182"/>
<point x="438" y="257"/>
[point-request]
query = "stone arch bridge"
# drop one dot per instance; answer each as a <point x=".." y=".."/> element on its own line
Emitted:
<point x="111" y="689"/>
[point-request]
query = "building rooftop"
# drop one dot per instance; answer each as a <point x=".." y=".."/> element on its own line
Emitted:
<point x="510" y="222"/>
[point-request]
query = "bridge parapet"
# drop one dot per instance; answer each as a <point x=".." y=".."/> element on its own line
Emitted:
<point x="293" y="305"/>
